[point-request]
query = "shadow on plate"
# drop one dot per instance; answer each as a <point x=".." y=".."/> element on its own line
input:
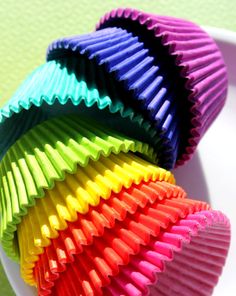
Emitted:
<point x="191" y="178"/>
<point x="228" y="51"/>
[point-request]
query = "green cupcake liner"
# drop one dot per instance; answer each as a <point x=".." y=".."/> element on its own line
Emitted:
<point x="45" y="154"/>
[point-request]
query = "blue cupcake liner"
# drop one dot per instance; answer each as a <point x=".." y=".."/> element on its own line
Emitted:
<point x="142" y="84"/>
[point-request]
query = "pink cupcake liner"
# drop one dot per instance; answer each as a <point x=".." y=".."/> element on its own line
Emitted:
<point x="186" y="260"/>
<point x="199" y="63"/>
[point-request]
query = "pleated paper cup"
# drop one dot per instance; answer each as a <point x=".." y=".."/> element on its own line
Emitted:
<point x="99" y="262"/>
<point x="196" y="62"/>
<point x="186" y="260"/>
<point x="40" y="228"/>
<point x="140" y="82"/>
<point x="47" y="154"/>
<point x="62" y="87"/>
<point x="79" y="191"/>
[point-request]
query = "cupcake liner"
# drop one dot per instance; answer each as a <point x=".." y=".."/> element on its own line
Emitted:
<point x="105" y="215"/>
<point x="80" y="190"/>
<point x="59" y="87"/>
<point x="99" y="180"/>
<point x="116" y="246"/>
<point x="196" y="62"/>
<point x="142" y="84"/>
<point x="179" y="262"/>
<point x="201" y="269"/>
<point x="32" y="165"/>
<point x="46" y="222"/>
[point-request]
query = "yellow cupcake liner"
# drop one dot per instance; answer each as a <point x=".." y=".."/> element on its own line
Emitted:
<point x="76" y="194"/>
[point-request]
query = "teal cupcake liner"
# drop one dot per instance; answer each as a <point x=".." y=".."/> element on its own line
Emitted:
<point x="57" y="88"/>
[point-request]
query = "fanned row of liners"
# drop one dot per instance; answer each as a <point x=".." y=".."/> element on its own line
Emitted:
<point x="86" y="208"/>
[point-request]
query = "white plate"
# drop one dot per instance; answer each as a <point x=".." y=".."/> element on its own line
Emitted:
<point x="210" y="175"/>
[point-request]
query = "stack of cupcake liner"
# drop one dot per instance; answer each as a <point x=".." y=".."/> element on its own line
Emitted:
<point x="88" y="206"/>
<point x="196" y="63"/>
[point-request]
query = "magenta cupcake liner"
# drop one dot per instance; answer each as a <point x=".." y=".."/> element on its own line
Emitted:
<point x="143" y="85"/>
<point x="200" y="69"/>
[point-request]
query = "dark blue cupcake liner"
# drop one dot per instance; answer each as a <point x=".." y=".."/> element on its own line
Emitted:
<point x="123" y="60"/>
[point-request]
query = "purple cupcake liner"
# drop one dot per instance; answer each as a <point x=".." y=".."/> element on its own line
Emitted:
<point x="120" y="56"/>
<point x="199" y="63"/>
